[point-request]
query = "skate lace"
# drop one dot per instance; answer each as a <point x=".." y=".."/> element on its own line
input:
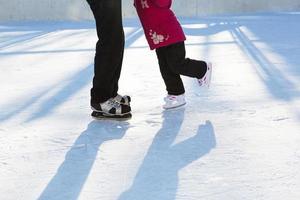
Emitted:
<point x="201" y="81"/>
<point x="118" y="98"/>
<point x="114" y="103"/>
<point x="171" y="98"/>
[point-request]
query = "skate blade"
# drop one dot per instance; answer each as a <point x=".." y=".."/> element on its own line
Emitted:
<point x="175" y="107"/>
<point x="209" y="77"/>
<point x="102" y="116"/>
<point x="206" y="83"/>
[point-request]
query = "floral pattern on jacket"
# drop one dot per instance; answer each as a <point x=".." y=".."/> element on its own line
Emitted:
<point x="160" y="25"/>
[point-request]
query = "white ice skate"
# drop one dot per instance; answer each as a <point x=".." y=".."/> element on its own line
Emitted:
<point x="174" y="101"/>
<point x="205" y="81"/>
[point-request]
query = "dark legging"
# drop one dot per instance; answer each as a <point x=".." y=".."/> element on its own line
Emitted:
<point x="173" y="63"/>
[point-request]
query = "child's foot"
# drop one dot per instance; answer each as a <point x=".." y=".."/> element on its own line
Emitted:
<point x="123" y="99"/>
<point x="206" y="79"/>
<point x="111" y="107"/>
<point x="174" y="101"/>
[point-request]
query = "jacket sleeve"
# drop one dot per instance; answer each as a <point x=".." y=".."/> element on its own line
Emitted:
<point x="163" y="3"/>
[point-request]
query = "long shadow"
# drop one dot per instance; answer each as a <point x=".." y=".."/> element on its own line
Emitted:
<point x="278" y="85"/>
<point x="133" y="36"/>
<point x="7" y="112"/>
<point x="157" y="178"/>
<point x="76" y="83"/>
<point x="273" y="30"/>
<point x="73" y="85"/>
<point x="9" y="40"/>
<point x="30" y="52"/>
<point x="29" y="31"/>
<point x="281" y="33"/>
<point x="72" y="174"/>
<point x="212" y="27"/>
<point x="27" y="37"/>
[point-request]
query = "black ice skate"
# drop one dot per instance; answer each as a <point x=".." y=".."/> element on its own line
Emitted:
<point x="111" y="109"/>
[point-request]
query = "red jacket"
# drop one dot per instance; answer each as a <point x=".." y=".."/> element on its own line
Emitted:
<point x="160" y="25"/>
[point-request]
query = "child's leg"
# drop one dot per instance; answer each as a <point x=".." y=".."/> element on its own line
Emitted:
<point x="172" y="80"/>
<point x="179" y="64"/>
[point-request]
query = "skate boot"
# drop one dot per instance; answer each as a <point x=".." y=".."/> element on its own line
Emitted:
<point x="174" y="101"/>
<point x="111" y="109"/>
<point x="123" y="99"/>
<point x="206" y="79"/>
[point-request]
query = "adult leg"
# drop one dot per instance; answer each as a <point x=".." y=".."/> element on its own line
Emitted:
<point x="109" y="49"/>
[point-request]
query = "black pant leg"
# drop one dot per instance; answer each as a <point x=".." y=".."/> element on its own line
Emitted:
<point x="173" y="82"/>
<point x="109" y="48"/>
<point x="175" y="55"/>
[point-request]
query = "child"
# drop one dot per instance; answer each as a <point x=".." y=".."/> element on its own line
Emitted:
<point x="164" y="34"/>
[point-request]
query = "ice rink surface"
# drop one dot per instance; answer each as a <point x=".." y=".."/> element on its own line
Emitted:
<point x="239" y="140"/>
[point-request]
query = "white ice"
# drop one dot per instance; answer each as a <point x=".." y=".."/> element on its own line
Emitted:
<point x="239" y="140"/>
